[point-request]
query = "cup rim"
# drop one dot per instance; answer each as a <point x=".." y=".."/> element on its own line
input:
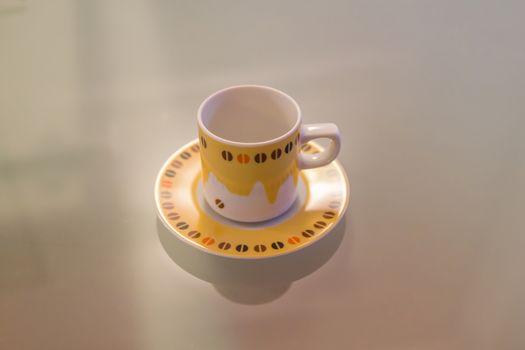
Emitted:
<point x="249" y="144"/>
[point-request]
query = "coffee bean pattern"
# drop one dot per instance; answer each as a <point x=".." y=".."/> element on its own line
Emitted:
<point x="224" y="245"/>
<point x="176" y="163"/>
<point x="260" y="248"/>
<point x="173" y="216"/>
<point x="182" y="225"/>
<point x="168" y="205"/>
<point x="208" y="240"/>
<point x="166" y="183"/>
<point x="243" y="158"/>
<point x="260" y="157"/>
<point x="241" y="248"/>
<point x="194" y="234"/>
<point x="308" y="233"/>
<point x="276" y="153"/>
<point x="329" y="215"/>
<point x="227" y="156"/>
<point x="165" y="194"/>
<point x="294" y="240"/>
<point x="320" y="224"/>
<point x="277" y="245"/>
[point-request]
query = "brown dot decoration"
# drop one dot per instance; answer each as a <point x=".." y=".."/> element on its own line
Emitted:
<point x="168" y="205"/>
<point x="176" y="163"/>
<point x="227" y="156"/>
<point x="297" y="138"/>
<point x="306" y="147"/>
<point x="276" y="153"/>
<point x="260" y="157"/>
<point x="320" y="224"/>
<point x="308" y="233"/>
<point x="243" y="158"/>
<point x="185" y="155"/>
<point x="224" y="245"/>
<point x="288" y="148"/>
<point x="219" y="203"/>
<point x="182" y="225"/>
<point x="194" y="234"/>
<point x="208" y="240"/>
<point x="165" y="194"/>
<point x="195" y="148"/>
<point x="294" y="240"/>
<point x="329" y="215"/>
<point x="241" y="248"/>
<point x="173" y="216"/>
<point x="170" y="173"/>
<point x="203" y="142"/>
<point x="260" y="248"/>
<point x="277" y="245"/>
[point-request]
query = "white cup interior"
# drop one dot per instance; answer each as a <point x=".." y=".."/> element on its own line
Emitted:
<point x="249" y="114"/>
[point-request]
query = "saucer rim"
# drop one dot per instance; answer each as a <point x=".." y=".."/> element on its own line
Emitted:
<point x="181" y="237"/>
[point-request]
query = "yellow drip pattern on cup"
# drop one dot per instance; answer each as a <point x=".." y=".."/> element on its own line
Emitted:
<point x="240" y="168"/>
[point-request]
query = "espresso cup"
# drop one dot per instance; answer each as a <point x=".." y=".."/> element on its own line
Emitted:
<point x="250" y="138"/>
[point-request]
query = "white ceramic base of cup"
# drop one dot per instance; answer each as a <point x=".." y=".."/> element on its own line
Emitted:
<point x="251" y="208"/>
<point x="302" y="194"/>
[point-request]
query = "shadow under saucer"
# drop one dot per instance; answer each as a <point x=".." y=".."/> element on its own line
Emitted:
<point x="251" y="281"/>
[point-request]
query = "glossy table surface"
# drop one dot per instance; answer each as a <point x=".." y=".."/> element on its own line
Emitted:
<point x="429" y="97"/>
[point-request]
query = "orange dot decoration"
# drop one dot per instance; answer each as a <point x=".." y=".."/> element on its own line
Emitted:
<point x="166" y="183"/>
<point x="294" y="240"/>
<point x="243" y="158"/>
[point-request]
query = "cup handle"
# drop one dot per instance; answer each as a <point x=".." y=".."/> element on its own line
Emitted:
<point x="316" y="131"/>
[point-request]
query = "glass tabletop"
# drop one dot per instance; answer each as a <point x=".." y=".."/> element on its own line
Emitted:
<point x="96" y="95"/>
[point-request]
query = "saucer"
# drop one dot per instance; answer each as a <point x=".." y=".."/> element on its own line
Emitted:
<point x="323" y="195"/>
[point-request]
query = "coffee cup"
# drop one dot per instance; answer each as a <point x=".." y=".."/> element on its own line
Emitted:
<point x="250" y="146"/>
